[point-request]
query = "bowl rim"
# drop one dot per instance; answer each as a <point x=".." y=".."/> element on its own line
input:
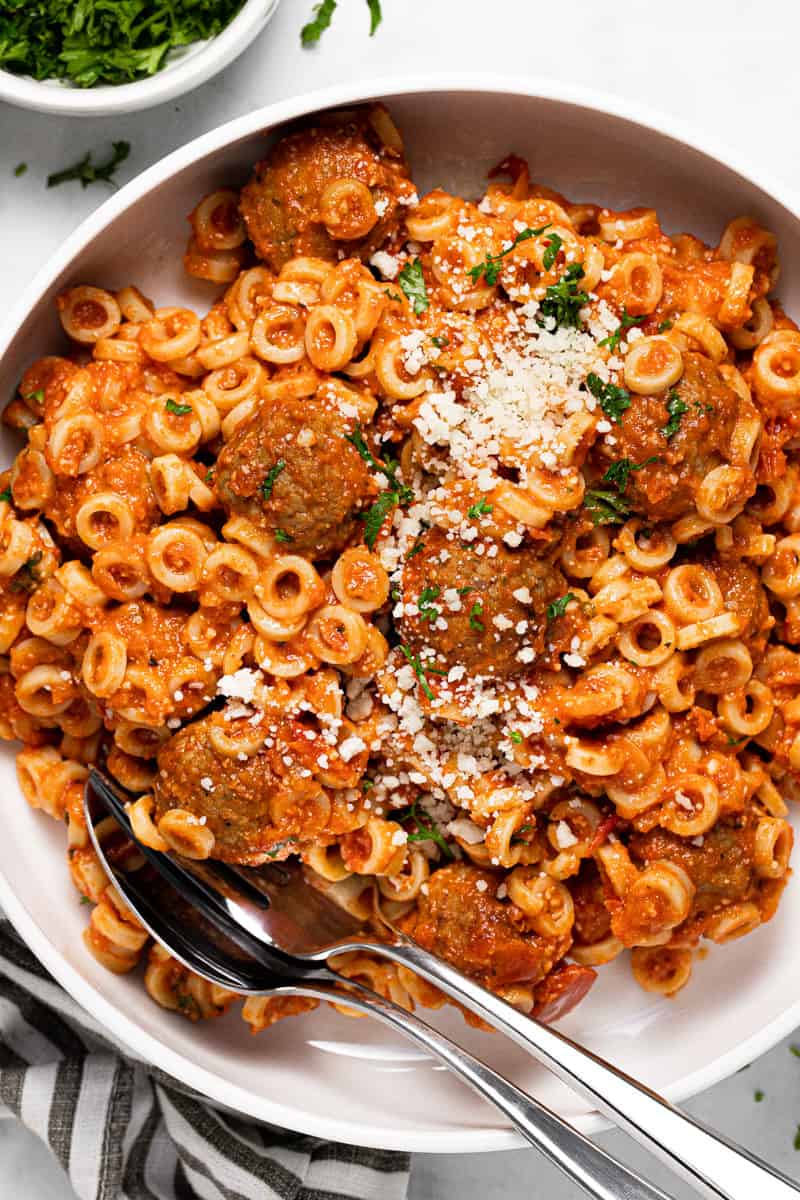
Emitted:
<point x="148" y="1046"/>
<point x="56" y="96"/>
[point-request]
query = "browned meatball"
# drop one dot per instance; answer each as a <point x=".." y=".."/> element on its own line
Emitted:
<point x="256" y="811"/>
<point x="309" y="489"/>
<point x="486" y="626"/>
<point x="666" y="490"/>
<point x="721" y="868"/>
<point x="294" y="203"/>
<point x="461" y="919"/>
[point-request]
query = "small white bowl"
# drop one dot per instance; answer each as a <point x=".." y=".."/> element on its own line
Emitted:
<point x="186" y="68"/>
<point x="321" y="1073"/>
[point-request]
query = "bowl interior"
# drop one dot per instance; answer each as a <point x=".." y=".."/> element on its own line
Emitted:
<point x="324" y="1073"/>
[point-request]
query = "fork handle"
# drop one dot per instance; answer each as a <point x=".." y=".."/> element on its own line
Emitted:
<point x="602" y="1176"/>
<point x="717" y="1168"/>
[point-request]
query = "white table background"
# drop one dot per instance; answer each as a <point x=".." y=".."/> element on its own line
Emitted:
<point x="727" y="66"/>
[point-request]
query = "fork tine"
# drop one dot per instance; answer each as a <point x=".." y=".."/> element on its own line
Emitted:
<point x="211" y="904"/>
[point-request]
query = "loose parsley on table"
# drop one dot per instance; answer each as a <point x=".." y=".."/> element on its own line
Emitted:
<point x="563" y="300"/>
<point x="613" y="400"/>
<point x="271" y="477"/>
<point x="179" y="410"/>
<point x="103" y="41"/>
<point x="86" y="172"/>
<point x="676" y="408"/>
<point x="20" y="169"/>
<point x="412" y="281"/>
<point x="559" y="606"/>
<point x="491" y="266"/>
<point x="322" y="15"/>
<point x="625" y="322"/>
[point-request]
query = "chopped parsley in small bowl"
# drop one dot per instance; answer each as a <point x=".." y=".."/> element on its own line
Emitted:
<point x="100" y="56"/>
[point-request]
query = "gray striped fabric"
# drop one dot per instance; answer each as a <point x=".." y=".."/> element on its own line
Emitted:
<point x="125" y="1131"/>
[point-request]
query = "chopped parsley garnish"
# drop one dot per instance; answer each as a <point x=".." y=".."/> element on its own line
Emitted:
<point x="491" y="266"/>
<point x="392" y="295"/>
<point x="676" y="408"/>
<point x="795" y="1050"/>
<point x="374" y="518"/>
<point x="282" y="536"/>
<point x="703" y="408"/>
<point x="6" y="495"/>
<point x="180" y="410"/>
<point x="613" y="400"/>
<point x="479" y="510"/>
<point x="420" y="545"/>
<point x="516" y="736"/>
<point x="664" y="326"/>
<point x="27" y="577"/>
<point x="606" y="508"/>
<point x="86" y="900"/>
<point x="209" y="475"/>
<point x="475" y="614"/>
<point x="427" y="830"/>
<point x="271" y="478"/>
<point x="412" y="281"/>
<point x="421" y="671"/>
<point x="276" y="849"/>
<point x="554" y="244"/>
<point x="620" y="472"/>
<point x="37" y="397"/>
<point x="427" y="610"/>
<point x="85" y="171"/>
<point x="559" y="606"/>
<point x="398" y="493"/>
<point x="732" y="741"/>
<point x="103" y="41"/>
<point x="367" y="784"/>
<point x="20" y="169"/>
<point x="563" y="301"/>
<point x="758" y="1095"/>
<point x="440" y="342"/>
<point x="625" y="322"/>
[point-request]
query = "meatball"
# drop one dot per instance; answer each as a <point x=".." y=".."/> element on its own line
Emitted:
<point x="721" y="868"/>
<point x="665" y="490"/>
<point x="256" y="812"/>
<point x="308" y="489"/>
<point x="461" y="920"/>
<point x="477" y="598"/>
<point x="334" y="187"/>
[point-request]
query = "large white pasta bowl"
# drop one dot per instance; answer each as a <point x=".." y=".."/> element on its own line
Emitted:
<point x="322" y="1073"/>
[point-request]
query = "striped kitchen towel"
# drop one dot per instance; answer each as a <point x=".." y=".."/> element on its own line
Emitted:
<point x="125" y="1131"/>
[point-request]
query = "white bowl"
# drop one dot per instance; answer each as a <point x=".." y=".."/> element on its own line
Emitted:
<point x="186" y="68"/>
<point x="322" y="1073"/>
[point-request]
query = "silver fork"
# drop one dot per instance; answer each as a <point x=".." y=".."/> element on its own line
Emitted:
<point x="226" y="954"/>
<point x="274" y="908"/>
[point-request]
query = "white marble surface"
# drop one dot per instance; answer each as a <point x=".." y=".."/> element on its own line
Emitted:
<point x="727" y="66"/>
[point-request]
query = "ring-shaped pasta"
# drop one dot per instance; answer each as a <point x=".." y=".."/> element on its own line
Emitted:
<point x="184" y="833"/>
<point x="776" y="368"/>
<point x="43" y="692"/>
<point x="173" y="333"/>
<point x="51" y="614"/>
<point x="289" y="587"/>
<point x="336" y="634"/>
<point x="104" y="663"/>
<point x="652" y="364"/>
<point x="724" y="666"/>
<point x="638" y="278"/>
<point x="700" y="329"/>
<point x="723" y="493"/>
<point x="748" y="710"/>
<point x="663" y="970"/>
<point x="546" y="903"/>
<point x="733" y="922"/>
<point x="278" y="334"/>
<point x="359" y="580"/>
<point x="330" y="337"/>
<point x="230" y="573"/>
<point x="88" y="314"/>
<point x="175" y="557"/>
<point x="169" y="428"/>
<point x="395" y="381"/>
<point x="772" y="847"/>
<point x="75" y="444"/>
<point x="781" y="574"/>
<point x="691" y="593"/>
<point x="231" y="385"/>
<point x="649" y="640"/>
<point x="752" y="332"/>
<point x="691" y="806"/>
<point x="284" y="660"/>
<point x="105" y="517"/>
<point x="651" y="553"/>
<point x="347" y="210"/>
<point x="217" y="223"/>
<point x="224" y="351"/>
<point x="434" y="216"/>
